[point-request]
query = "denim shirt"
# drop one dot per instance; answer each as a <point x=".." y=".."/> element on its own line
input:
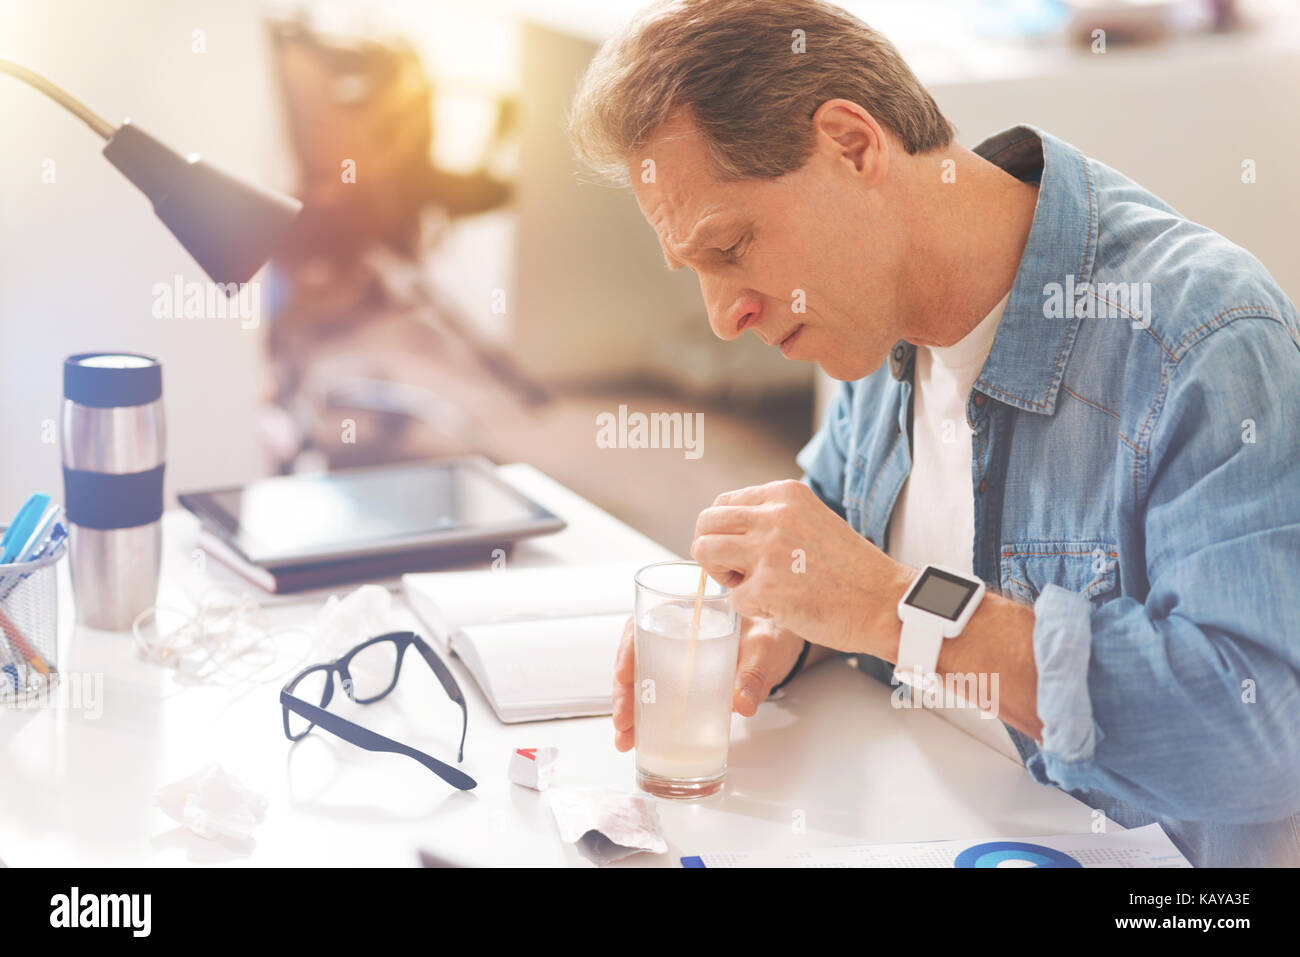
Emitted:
<point x="1136" y="477"/>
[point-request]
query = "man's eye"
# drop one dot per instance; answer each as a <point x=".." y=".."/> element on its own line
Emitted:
<point x="732" y="251"/>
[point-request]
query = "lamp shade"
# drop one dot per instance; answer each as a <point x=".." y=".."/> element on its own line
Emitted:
<point x="230" y="227"/>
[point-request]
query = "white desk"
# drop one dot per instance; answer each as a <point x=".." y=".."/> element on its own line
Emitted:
<point x="832" y="755"/>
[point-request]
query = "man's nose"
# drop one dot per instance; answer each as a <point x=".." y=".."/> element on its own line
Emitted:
<point x="733" y="313"/>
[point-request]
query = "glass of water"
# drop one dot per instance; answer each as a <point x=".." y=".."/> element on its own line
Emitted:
<point x="684" y="678"/>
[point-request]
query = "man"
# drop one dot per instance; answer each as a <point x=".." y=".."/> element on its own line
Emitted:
<point x="1090" y="405"/>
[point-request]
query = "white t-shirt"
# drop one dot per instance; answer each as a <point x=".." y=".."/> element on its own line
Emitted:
<point x="934" y="517"/>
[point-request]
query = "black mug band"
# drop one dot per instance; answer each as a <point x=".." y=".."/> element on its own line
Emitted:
<point x="103" y="500"/>
<point x="111" y="386"/>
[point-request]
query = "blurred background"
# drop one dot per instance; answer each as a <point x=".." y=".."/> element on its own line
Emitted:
<point x="453" y="285"/>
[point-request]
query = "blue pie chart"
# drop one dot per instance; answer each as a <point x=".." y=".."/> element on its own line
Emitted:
<point x="1013" y="854"/>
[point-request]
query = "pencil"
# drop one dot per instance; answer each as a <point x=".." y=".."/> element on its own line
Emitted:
<point x="17" y="641"/>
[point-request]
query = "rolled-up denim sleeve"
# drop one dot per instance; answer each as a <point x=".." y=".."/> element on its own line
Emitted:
<point x="826" y="453"/>
<point x="1186" y="703"/>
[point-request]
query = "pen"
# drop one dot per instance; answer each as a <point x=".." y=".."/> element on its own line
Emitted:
<point x="49" y="546"/>
<point x="8" y="668"/>
<point x="20" y="529"/>
<point x="39" y="537"/>
<point x="34" y="531"/>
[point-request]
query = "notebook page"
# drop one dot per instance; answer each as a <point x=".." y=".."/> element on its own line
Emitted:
<point x="560" y="661"/>
<point x="525" y="594"/>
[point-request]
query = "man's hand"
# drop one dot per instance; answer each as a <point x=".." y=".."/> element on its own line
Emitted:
<point x="788" y="557"/>
<point x="767" y="653"/>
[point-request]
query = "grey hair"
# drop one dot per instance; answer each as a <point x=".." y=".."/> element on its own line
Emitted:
<point x="737" y="66"/>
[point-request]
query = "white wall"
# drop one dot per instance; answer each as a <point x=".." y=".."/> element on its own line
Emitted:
<point x="1179" y="121"/>
<point x="79" y="257"/>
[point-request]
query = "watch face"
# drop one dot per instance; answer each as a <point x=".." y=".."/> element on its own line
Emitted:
<point x="941" y="594"/>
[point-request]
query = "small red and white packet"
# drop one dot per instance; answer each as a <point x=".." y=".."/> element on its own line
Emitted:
<point x="533" y="767"/>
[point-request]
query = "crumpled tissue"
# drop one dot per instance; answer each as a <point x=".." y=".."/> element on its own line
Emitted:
<point x="213" y="804"/>
<point x="607" y="826"/>
<point x="346" y="622"/>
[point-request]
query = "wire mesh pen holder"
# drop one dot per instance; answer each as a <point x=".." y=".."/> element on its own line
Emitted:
<point x="29" y="625"/>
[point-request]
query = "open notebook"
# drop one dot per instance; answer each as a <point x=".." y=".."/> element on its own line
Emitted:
<point x="540" y="642"/>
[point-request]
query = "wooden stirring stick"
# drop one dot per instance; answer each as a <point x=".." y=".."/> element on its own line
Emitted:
<point x="689" y="671"/>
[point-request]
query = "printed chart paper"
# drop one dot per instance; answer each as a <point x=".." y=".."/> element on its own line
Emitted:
<point x="1140" y="847"/>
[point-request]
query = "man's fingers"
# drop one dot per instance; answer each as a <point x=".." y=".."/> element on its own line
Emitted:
<point x="624" y="723"/>
<point x="758" y="494"/>
<point x="724" y="520"/>
<point x="624" y="708"/>
<point x="723" y="557"/>
<point x="753" y="676"/>
<point x="751" y="495"/>
<point x="749" y="600"/>
<point x="624" y="676"/>
<point x="624" y="660"/>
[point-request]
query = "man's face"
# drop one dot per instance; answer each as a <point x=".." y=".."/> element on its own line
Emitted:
<point x="802" y="261"/>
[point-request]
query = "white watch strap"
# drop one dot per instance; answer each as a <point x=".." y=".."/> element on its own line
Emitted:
<point x="918" y="650"/>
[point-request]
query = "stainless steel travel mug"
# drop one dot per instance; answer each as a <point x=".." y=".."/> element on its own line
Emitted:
<point x="113" y="456"/>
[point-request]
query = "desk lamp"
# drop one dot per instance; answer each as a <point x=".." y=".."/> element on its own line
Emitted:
<point x="230" y="227"/>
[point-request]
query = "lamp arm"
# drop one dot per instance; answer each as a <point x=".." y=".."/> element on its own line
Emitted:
<point x="66" y="100"/>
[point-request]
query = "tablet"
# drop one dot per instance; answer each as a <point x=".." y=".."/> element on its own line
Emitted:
<point x="294" y="520"/>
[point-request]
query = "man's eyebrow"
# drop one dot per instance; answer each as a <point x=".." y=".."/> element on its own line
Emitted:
<point x="709" y="229"/>
<point x="701" y="235"/>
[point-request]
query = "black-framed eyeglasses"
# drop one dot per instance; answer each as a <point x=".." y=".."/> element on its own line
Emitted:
<point x="369" y="672"/>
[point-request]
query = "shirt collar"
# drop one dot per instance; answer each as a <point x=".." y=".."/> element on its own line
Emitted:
<point x="1029" y="352"/>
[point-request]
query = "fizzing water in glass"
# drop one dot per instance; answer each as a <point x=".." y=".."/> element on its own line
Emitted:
<point x="685" y="672"/>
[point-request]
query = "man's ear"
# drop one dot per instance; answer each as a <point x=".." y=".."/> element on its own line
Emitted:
<point x="846" y="133"/>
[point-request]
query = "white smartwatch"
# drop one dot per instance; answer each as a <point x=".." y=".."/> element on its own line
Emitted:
<point x="937" y="606"/>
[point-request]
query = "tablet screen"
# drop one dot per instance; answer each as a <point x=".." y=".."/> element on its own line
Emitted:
<point x="348" y="513"/>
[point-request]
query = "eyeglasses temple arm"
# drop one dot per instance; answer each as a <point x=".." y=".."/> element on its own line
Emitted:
<point x="448" y="682"/>
<point x="363" y="738"/>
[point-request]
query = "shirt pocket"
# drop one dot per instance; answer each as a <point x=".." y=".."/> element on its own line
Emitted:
<point x="1088" y="568"/>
